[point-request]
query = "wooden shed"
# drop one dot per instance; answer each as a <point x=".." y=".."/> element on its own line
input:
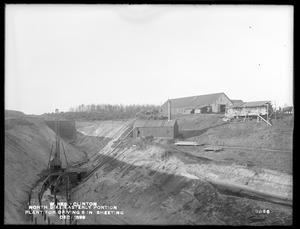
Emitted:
<point x="157" y="128"/>
<point x="255" y="108"/>
<point x="261" y="110"/>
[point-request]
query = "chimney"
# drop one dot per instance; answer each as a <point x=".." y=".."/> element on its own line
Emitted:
<point x="169" y="109"/>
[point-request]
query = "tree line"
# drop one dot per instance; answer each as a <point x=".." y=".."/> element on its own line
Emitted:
<point x="106" y="111"/>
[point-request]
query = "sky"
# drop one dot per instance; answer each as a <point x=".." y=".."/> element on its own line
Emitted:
<point x="61" y="56"/>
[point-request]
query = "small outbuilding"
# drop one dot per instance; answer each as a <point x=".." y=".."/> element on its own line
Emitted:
<point x="157" y="128"/>
<point x="257" y="109"/>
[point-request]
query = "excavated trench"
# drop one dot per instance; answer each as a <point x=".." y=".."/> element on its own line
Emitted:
<point x="155" y="184"/>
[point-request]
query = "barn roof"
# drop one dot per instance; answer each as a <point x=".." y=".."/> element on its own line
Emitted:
<point x="236" y="101"/>
<point x="255" y="104"/>
<point x="194" y="101"/>
<point x="154" y="123"/>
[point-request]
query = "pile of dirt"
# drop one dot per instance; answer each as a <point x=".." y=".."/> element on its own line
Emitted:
<point x="153" y="187"/>
<point x="28" y="143"/>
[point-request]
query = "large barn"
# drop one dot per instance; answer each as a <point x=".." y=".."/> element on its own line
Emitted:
<point x="210" y="103"/>
<point x="157" y="128"/>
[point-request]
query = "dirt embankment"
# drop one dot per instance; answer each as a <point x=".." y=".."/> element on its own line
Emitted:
<point x="13" y="114"/>
<point x="152" y="184"/>
<point x="28" y="143"/>
<point x="210" y="129"/>
<point x="249" y="143"/>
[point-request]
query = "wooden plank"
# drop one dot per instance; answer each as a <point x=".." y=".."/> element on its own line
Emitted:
<point x="250" y="192"/>
<point x="183" y="143"/>
<point x="265" y="120"/>
<point x="215" y="149"/>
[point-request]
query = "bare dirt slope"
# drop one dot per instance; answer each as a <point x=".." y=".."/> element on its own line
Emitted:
<point x="249" y="143"/>
<point x="210" y="129"/>
<point x="28" y="142"/>
<point x="153" y="183"/>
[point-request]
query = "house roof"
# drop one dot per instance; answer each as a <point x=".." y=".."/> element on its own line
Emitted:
<point x="236" y="101"/>
<point x="255" y="104"/>
<point x="194" y="101"/>
<point x="154" y="123"/>
<point x="235" y="105"/>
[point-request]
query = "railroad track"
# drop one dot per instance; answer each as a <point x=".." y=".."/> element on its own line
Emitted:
<point x="36" y="199"/>
<point x="43" y="182"/>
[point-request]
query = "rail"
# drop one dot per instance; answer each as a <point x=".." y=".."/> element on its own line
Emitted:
<point x="38" y="188"/>
<point x="44" y="185"/>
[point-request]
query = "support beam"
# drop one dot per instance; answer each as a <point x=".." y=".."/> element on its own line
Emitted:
<point x="246" y="116"/>
<point x="267" y="111"/>
<point x="267" y="121"/>
<point x="49" y="157"/>
<point x="65" y="155"/>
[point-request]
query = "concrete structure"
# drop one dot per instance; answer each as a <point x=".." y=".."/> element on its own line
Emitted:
<point x="157" y="128"/>
<point x="210" y="103"/>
